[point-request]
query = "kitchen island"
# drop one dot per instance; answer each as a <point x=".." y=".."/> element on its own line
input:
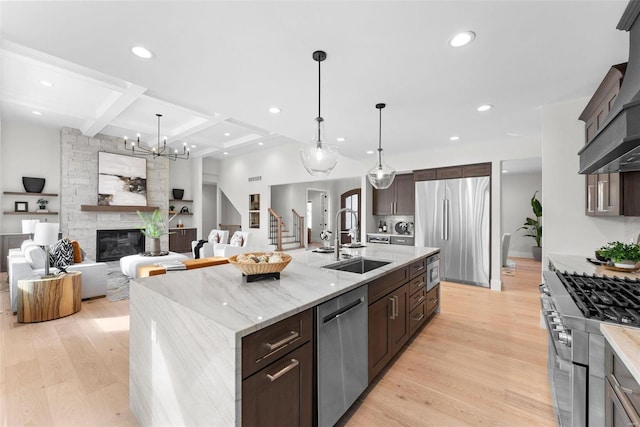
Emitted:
<point x="186" y="329"/>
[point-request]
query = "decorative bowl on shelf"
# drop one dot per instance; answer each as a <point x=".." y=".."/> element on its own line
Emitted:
<point x="33" y="185"/>
<point x="260" y="262"/>
<point x="178" y="193"/>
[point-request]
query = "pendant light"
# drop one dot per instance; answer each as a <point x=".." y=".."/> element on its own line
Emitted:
<point x="318" y="157"/>
<point x="381" y="175"/>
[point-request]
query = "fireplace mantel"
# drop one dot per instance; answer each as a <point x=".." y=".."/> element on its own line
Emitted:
<point x="101" y="208"/>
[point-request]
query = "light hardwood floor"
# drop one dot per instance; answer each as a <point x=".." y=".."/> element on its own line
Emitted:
<point x="481" y="361"/>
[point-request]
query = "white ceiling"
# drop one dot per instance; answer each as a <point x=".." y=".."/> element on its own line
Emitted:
<point x="219" y="66"/>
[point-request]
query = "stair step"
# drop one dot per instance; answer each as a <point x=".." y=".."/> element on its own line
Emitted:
<point x="290" y="246"/>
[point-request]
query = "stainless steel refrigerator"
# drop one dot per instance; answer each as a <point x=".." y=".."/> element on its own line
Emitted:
<point x="454" y="215"/>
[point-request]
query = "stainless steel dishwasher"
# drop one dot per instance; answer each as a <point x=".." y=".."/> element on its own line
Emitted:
<point x="341" y="328"/>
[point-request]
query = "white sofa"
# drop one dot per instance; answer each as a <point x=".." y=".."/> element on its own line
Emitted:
<point x="238" y="243"/>
<point x="215" y="237"/>
<point x="24" y="263"/>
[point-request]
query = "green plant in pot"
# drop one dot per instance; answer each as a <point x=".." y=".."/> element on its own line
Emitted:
<point x="623" y="255"/>
<point x="154" y="227"/>
<point x="533" y="226"/>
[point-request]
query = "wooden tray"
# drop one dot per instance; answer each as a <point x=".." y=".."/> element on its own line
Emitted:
<point x="624" y="270"/>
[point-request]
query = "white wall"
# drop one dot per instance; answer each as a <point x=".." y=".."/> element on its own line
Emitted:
<point x="517" y="190"/>
<point x="28" y="150"/>
<point x="566" y="229"/>
<point x="209" y="208"/>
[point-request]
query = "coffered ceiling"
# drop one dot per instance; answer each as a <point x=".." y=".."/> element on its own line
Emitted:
<point x="219" y="66"/>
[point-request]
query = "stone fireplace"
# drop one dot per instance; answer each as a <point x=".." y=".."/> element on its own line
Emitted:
<point x="79" y="186"/>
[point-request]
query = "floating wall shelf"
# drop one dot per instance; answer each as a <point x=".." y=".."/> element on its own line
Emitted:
<point x="18" y="193"/>
<point x="30" y="213"/>
<point x="96" y="208"/>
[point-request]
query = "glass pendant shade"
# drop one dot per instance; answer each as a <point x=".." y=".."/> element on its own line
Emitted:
<point x="318" y="157"/>
<point x="381" y="175"/>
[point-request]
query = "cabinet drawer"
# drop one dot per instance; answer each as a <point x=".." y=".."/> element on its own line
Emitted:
<point x="417" y="283"/>
<point x="267" y="345"/>
<point x="433" y="299"/>
<point x="480" y="169"/>
<point x="417" y="317"/>
<point x="418" y="298"/>
<point x="402" y="240"/>
<point x="382" y="286"/>
<point x="417" y="267"/>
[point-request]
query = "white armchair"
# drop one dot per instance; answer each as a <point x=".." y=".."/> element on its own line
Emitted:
<point x="238" y="244"/>
<point x="214" y="237"/>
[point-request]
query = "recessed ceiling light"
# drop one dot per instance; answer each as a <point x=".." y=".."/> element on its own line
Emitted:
<point x="46" y="83"/>
<point x="462" y="39"/>
<point x="505" y="171"/>
<point x="485" y="107"/>
<point x="370" y="152"/>
<point x="37" y="113"/>
<point x="142" y="52"/>
<point x="225" y="153"/>
<point x="341" y="139"/>
<point x="227" y="134"/>
<point x="274" y="110"/>
<point x="260" y="143"/>
<point x="454" y="138"/>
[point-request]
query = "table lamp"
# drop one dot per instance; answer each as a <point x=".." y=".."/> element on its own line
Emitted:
<point x="29" y="226"/>
<point x="46" y="234"/>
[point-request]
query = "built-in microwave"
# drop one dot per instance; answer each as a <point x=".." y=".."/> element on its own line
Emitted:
<point x="433" y="271"/>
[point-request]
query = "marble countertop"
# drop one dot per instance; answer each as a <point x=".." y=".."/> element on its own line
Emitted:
<point x="580" y="265"/>
<point x="219" y="294"/>
<point x="625" y="341"/>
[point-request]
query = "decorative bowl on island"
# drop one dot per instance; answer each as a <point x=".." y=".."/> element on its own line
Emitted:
<point x="260" y="262"/>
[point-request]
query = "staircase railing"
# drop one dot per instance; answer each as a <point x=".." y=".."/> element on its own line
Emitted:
<point x="298" y="227"/>
<point x="275" y="229"/>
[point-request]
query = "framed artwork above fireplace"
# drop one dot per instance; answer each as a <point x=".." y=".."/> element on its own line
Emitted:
<point x="122" y="180"/>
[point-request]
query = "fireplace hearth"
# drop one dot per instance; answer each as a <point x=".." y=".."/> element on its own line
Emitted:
<point x="111" y="245"/>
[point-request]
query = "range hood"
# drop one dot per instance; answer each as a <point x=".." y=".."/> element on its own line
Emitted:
<point x="616" y="147"/>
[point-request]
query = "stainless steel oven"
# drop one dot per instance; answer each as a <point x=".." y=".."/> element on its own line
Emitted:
<point x="433" y="271"/>
<point x="567" y="378"/>
<point x="375" y="238"/>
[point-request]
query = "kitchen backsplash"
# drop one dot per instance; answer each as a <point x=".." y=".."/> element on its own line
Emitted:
<point x="391" y="221"/>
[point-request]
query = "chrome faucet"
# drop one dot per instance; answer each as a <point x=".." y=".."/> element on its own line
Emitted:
<point x="337" y="231"/>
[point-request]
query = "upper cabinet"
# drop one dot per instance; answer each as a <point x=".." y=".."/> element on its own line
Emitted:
<point x="398" y="199"/>
<point x="604" y="192"/>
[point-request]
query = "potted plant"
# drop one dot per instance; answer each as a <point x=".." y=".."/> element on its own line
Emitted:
<point x="154" y="227"/>
<point x="623" y="255"/>
<point x="534" y="227"/>
<point x="42" y="204"/>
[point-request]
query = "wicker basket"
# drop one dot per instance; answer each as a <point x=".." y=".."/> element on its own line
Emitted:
<point x="260" y="268"/>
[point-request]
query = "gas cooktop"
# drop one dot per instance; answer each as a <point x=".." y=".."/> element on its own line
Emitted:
<point x="609" y="299"/>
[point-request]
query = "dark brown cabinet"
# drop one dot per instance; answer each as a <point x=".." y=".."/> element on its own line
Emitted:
<point x="452" y="172"/>
<point x="388" y="328"/>
<point x="9" y="241"/>
<point x="398" y="199"/>
<point x="277" y="371"/>
<point x="181" y="238"/>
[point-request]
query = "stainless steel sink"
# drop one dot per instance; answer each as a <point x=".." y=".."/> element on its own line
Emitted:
<point x="358" y="265"/>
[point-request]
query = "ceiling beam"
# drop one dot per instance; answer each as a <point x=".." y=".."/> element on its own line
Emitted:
<point x="114" y="109"/>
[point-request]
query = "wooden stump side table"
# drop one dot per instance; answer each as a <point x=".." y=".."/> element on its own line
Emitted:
<point x="49" y="298"/>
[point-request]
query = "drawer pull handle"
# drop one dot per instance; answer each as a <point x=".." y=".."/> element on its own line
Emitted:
<point x="419" y="318"/>
<point x="422" y="297"/>
<point x="434" y="301"/>
<point x="419" y="268"/>
<point x="283" y="371"/>
<point x="293" y="336"/>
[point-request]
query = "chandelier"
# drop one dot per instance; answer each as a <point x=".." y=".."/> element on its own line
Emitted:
<point x="318" y="157"/>
<point x="157" y="151"/>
